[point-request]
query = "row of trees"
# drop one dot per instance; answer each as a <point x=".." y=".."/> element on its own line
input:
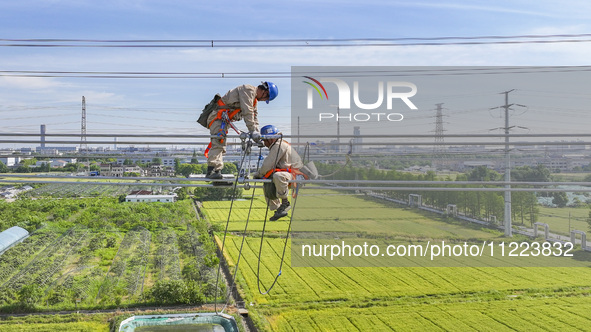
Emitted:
<point x="477" y="204"/>
<point x="45" y="167"/>
<point x="94" y="165"/>
<point x="180" y="169"/>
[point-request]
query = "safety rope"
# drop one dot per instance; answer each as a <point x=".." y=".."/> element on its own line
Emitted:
<point x="259" y="283"/>
<point x="234" y="191"/>
<point x="296" y="190"/>
<point x="247" y="149"/>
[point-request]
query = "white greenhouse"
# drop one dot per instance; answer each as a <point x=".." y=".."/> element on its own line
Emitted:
<point x="12" y="236"/>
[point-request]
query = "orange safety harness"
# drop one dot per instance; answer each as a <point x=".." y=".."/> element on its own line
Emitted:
<point x="275" y="170"/>
<point x="294" y="173"/>
<point x="224" y="114"/>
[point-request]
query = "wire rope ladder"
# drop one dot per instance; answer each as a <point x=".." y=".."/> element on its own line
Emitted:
<point x="246" y="151"/>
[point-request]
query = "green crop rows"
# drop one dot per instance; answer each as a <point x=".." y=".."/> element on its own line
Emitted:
<point x="99" y="253"/>
<point x="73" y="190"/>
<point x="394" y="298"/>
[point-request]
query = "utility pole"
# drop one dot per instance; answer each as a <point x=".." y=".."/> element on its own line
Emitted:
<point x="299" y="146"/>
<point x="83" y="145"/>
<point x="507" y="212"/>
<point x="507" y="215"/>
<point x="338" y="130"/>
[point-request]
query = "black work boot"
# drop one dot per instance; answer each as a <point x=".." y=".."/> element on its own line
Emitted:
<point x="281" y="211"/>
<point x="213" y="175"/>
<point x="209" y="171"/>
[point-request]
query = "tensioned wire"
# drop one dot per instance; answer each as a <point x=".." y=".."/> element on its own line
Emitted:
<point x="301" y="42"/>
<point x="434" y="71"/>
<point x="306" y="136"/>
<point x="313" y="184"/>
<point x="295" y="144"/>
<point x="388" y="182"/>
<point x="185" y="136"/>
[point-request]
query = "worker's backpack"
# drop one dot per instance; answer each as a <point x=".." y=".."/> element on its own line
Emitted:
<point x="212" y="106"/>
<point x="310" y="171"/>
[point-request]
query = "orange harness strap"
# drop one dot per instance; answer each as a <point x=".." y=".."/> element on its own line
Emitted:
<point x="219" y="116"/>
<point x="294" y="173"/>
<point x="231" y="115"/>
<point x="266" y="176"/>
<point x="221" y="112"/>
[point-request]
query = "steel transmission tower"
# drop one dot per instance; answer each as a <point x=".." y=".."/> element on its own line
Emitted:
<point x="439" y="154"/>
<point x="83" y="146"/>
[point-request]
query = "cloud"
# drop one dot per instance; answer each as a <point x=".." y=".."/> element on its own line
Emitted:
<point x="103" y="97"/>
<point x="30" y="83"/>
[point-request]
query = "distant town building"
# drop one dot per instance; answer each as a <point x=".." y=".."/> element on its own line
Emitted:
<point x="115" y="170"/>
<point x="55" y="163"/>
<point x="10" y="161"/>
<point x="56" y="150"/>
<point x="160" y="171"/>
<point x="165" y="161"/>
<point x="357" y="140"/>
<point x="9" y="192"/>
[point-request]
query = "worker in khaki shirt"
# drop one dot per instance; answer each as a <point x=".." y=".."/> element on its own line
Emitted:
<point x="238" y="103"/>
<point x="281" y="164"/>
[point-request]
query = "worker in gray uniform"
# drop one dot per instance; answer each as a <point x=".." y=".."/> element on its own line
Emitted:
<point x="237" y="104"/>
<point x="282" y="164"/>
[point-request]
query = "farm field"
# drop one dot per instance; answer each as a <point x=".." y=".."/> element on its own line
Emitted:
<point x="108" y="254"/>
<point x="558" y="219"/>
<point x="79" y="322"/>
<point x="338" y="212"/>
<point x="566" y="177"/>
<point x="99" y="253"/>
<point x="396" y="298"/>
<point x="55" y="327"/>
<point x="61" y="190"/>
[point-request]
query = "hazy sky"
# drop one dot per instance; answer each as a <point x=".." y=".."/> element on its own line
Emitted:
<point x="171" y="105"/>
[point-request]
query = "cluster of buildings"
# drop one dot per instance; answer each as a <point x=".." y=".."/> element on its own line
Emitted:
<point x="10" y="192"/>
<point x="129" y="159"/>
<point x="121" y="170"/>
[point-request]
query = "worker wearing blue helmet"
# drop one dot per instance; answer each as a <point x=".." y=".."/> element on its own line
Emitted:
<point x="281" y="165"/>
<point x="237" y="104"/>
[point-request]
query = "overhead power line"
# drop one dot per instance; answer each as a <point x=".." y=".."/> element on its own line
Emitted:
<point x="380" y="136"/>
<point x="299" y="42"/>
<point x="398" y="72"/>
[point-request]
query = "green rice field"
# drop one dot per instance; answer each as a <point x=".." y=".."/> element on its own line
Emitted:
<point x="393" y="298"/>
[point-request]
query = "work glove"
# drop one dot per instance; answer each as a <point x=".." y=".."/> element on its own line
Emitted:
<point x="256" y="176"/>
<point x="255" y="136"/>
<point x="243" y="136"/>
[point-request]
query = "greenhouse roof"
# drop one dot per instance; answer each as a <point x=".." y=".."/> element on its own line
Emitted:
<point x="11" y="236"/>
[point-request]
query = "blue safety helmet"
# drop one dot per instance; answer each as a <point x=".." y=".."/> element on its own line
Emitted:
<point x="273" y="91"/>
<point x="269" y="132"/>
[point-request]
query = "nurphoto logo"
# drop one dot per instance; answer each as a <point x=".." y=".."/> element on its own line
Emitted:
<point x="390" y="91"/>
